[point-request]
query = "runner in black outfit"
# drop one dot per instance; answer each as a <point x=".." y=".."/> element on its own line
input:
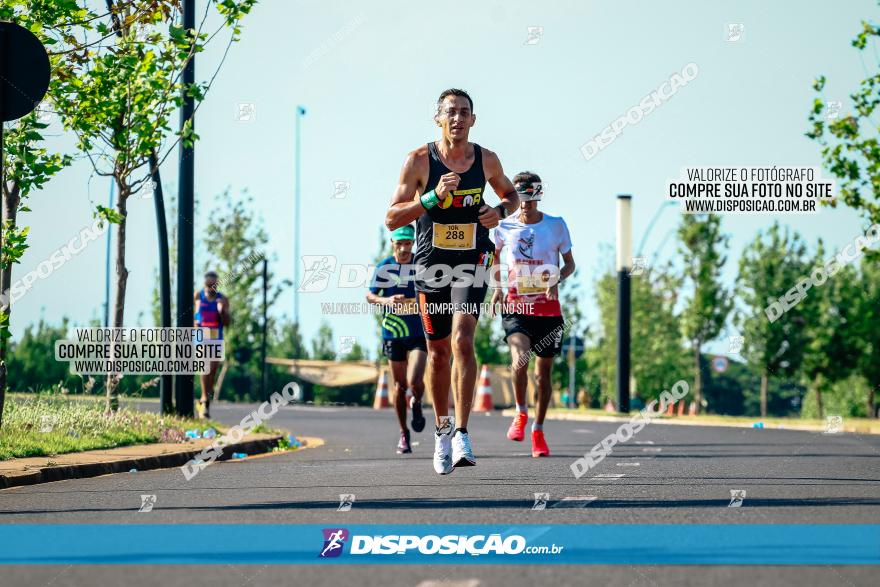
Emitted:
<point x="442" y="187"/>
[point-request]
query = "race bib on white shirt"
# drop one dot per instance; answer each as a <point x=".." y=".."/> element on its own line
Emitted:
<point x="531" y="253"/>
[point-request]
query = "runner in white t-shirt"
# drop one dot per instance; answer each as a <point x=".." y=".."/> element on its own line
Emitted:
<point x="532" y="319"/>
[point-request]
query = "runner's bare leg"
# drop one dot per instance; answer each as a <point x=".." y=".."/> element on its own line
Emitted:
<point x="416" y="376"/>
<point x="543" y="365"/>
<point x="207" y="387"/>
<point x="439" y="375"/>
<point x="398" y="374"/>
<point x="463" y="328"/>
<point x="519" y="352"/>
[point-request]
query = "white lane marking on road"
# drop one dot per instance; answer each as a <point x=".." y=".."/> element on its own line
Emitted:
<point x="582" y="431"/>
<point x="644" y="442"/>
<point x="577" y="501"/>
<point x="446" y="583"/>
<point x="315" y="409"/>
<point x="652" y="449"/>
<point x="609" y="476"/>
<point x="627" y="464"/>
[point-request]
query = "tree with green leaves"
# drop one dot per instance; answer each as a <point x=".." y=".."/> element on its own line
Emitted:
<point x="323" y="346"/>
<point x="27" y="163"/>
<point x="236" y="244"/>
<point x="848" y="143"/>
<point x="570" y="300"/>
<point x="32" y="364"/>
<point x="120" y="98"/>
<point x="286" y="342"/>
<point x="768" y="268"/>
<point x="868" y="317"/>
<point x="831" y="344"/>
<point x="489" y="345"/>
<point x="701" y="247"/>
<point x="658" y="358"/>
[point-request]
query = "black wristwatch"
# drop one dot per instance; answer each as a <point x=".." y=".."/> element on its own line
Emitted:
<point x="502" y="210"/>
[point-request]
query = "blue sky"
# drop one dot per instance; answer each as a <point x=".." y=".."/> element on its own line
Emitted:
<point x="369" y="74"/>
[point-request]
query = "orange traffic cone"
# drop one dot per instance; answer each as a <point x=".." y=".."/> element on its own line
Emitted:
<point x="484" y="401"/>
<point x="609" y="406"/>
<point x="670" y="410"/>
<point x="681" y="407"/>
<point x="381" y="400"/>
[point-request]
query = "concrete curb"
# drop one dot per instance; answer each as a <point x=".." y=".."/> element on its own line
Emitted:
<point x="49" y="473"/>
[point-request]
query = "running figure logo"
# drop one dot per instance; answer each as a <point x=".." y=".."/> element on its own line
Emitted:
<point x="639" y="264"/>
<point x="345" y="502"/>
<point x="736" y="344"/>
<point x="541" y="500"/>
<point x="737" y="496"/>
<point x="147" y="503"/>
<point x="833" y="424"/>
<point x="526" y="244"/>
<point x="334" y="540"/>
<point x="319" y="268"/>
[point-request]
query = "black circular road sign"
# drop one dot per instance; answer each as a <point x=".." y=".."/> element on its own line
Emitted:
<point x="24" y="71"/>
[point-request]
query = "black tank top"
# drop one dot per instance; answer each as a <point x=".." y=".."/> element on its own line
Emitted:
<point x="461" y="207"/>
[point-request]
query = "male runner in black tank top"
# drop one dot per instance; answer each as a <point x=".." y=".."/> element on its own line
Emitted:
<point x="442" y="187"/>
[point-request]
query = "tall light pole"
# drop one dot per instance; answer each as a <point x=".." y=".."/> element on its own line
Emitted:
<point x="300" y="112"/>
<point x="624" y="265"/>
<point x="264" y="393"/>
<point x="183" y="384"/>
<point x="107" y="261"/>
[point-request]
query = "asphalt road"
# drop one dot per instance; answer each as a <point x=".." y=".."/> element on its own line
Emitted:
<point x="666" y="474"/>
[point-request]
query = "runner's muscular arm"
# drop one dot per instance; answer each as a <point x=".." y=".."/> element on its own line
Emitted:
<point x="405" y="204"/>
<point x="501" y="185"/>
<point x="568" y="268"/>
<point x="568" y="265"/>
<point x="225" y="314"/>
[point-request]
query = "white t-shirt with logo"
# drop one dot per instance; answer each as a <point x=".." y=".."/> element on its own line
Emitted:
<point x="532" y="251"/>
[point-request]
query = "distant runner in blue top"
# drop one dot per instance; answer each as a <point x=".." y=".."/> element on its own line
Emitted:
<point x="211" y="312"/>
<point x="402" y="332"/>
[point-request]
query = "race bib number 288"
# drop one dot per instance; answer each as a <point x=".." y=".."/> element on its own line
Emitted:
<point x="458" y="237"/>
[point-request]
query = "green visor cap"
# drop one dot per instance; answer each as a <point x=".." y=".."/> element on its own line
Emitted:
<point x="404" y="233"/>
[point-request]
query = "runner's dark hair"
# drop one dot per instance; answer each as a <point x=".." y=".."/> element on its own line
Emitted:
<point x="526" y="177"/>
<point x="455" y="92"/>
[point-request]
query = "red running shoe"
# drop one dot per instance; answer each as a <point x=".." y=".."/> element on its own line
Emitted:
<point x="539" y="445"/>
<point x="517" y="430"/>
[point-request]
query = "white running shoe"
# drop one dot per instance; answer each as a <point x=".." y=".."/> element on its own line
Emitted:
<point x="462" y="455"/>
<point x="443" y="446"/>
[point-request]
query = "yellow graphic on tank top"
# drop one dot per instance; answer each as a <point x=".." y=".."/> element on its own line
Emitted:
<point x="463" y="198"/>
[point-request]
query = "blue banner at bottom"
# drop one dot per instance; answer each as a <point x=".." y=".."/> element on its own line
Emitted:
<point x="623" y="544"/>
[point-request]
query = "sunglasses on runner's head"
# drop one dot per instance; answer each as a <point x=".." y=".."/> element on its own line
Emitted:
<point x="529" y="192"/>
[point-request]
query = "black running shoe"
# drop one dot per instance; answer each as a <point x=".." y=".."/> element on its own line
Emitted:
<point x="418" y="420"/>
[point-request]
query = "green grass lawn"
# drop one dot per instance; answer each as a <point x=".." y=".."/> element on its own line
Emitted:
<point x="50" y="424"/>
